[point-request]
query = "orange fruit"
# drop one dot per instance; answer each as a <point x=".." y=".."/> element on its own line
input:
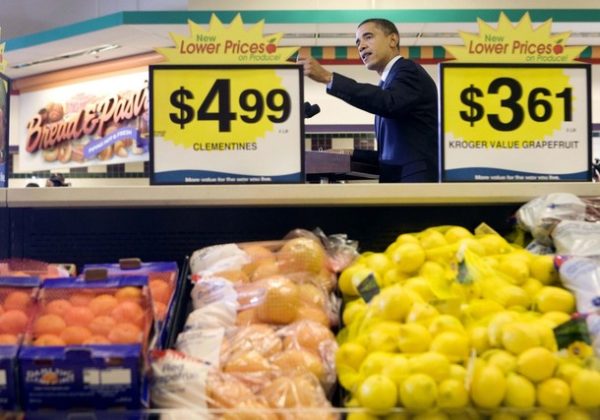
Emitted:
<point x="17" y="300"/>
<point x="103" y="304"/>
<point x="297" y="359"/>
<point x="102" y="325"/>
<point x="125" y="333"/>
<point x="75" y="334"/>
<point x="247" y="362"/>
<point x="280" y="302"/>
<point x="129" y="293"/>
<point x="96" y="339"/>
<point x="49" y="340"/>
<point x="57" y="307"/>
<point x="308" y="335"/>
<point x="258" y="254"/>
<point x="48" y="324"/>
<point x="1" y="310"/>
<point x="245" y="317"/>
<point x="78" y="315"/>
<point x="302" y="254"/>
<point x="13" y="321"/>
<point x="160" y="310"/>
<point x="8" y="339"/>
<point x="128" y="311"/>
<point x="160" y="290"/>
<point x="309" y="312"/>
<point x="81" y="298"/>
<point x="265" y="269"/>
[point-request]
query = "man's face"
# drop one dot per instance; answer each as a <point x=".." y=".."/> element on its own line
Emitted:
<point x="375" y="48"/>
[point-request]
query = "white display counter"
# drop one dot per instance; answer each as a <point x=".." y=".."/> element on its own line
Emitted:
<point x="291" y="195"/>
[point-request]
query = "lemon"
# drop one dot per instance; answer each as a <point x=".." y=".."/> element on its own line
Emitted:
<point x="497" y="322"/>
<point x="515" y="268"/>
<point x="478" y="337"/>
<point x="407" y="238"/>
<point x="378" y="262"/>
<point x="532" y="287"/>
<point x="556" y="318"/>
<point x="505" y="361"/>
<point x="511" y="296"/>
<point x="413" y="338"/>
<point x="553" y="394"/>
<point x="520" y="392"/>
<point x="456" y="233"/>
<point x="348" y="377"/>
<point x="409" y="257"/>
<point x="494" y="244"/>
<point x="551" y="298"/>
<point x="488" y="386"/>
<point x="537" y="364"/>
<point x="480" y="308"/>
<point x="542" y="268"/>
<point x="458" y="372"/>
<point x="377" y="393"/>
<point x="574" y="413"/>
<point x="567" y="370"/>
<point x="540" y="415"/>
<point x="393" y="276"/>
<point x="431" y="415"/>
<point x="396" y="416"/>
<point x="431" y="238"/>
<point x="443" y="323"/>
<point x="422" y="313"/>
<point x="374" y="363"/>
<point x="546" y="334"/>
<point x="421" y="286"/>
<point x="452" y="394"/>
<point x="586" y="388"/>
<point x="454" y="345"/>
<point x="352" y="276"/>
<point x="418" y="392"/>
<point x="430" y="363"/>
<point x="397" y="369"/>
<point x="350" y="354"/>
<point x="392" y="303"/>
<point x="432" y="269"/>
<point x="352" y="310"/>
<point x="517" y="337"/>
<point x="383" y="336"/>
<point x="504" y="416"/>
<point x="361" y="416"/>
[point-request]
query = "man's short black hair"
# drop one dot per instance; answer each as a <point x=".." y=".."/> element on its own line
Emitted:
<point x="388" y="27"/>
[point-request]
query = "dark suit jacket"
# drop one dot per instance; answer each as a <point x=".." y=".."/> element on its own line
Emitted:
<point x="406" y="113"/>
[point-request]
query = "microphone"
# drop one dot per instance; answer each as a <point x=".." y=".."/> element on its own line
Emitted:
<point x="311" y="110"/>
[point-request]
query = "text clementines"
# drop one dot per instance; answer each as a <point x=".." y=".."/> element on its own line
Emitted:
<point x="95" y="118"/>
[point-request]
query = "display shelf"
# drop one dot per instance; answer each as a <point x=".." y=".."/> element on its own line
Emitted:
<point x="350" y="194"/>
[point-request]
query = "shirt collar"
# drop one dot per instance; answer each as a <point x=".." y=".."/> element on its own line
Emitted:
<point x="388" y="67"/>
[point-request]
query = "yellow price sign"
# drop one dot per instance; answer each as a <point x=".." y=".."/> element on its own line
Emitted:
<point x="224" y="123"/>
<point x="496" y="114"/>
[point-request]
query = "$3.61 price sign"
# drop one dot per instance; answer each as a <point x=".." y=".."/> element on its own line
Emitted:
<point x="520" y="103"/>
<point x="219" y="106"/>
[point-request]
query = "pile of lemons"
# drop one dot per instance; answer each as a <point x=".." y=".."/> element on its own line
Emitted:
<point x="447" y="322"/>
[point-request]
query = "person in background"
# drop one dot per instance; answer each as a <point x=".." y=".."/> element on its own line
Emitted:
<point x="32" y="184"/>
<point x="405" y="103"/>
<point x="56" y="180"/>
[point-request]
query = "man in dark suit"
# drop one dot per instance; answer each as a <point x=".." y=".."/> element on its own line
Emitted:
<point x="405" y="103"/>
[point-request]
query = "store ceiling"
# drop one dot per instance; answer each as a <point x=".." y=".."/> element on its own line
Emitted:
<point x="132" y="33"/>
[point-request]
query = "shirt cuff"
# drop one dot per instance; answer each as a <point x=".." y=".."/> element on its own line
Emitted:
<point x="330" y="84"/>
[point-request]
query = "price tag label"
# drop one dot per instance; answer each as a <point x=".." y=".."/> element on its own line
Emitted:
<point x="226" y="124"/>
<point x="515" y="122"/>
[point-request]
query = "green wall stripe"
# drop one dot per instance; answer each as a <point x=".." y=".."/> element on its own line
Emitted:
<point x="317" y="52"/>
<point x="587" y="53"/>
<point x="341" y="52"/>
<point x="439" y="52"/>
<point x="414" y="52"/>
<point x="298" y="16"/>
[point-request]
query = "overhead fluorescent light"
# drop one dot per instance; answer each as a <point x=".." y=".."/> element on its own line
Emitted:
<point x="72" y="54"/>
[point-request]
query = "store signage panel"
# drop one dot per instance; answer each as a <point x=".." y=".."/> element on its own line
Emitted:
<point x="515" y="122"/>
<point x="95" y="122"/>
<point x="218" y="124"/>
<point x="4" y="120"/>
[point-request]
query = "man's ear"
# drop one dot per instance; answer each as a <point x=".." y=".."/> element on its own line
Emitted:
<point x="394" y="39"/>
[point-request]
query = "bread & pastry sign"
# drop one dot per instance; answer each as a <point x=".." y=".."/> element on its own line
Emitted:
<point x="97" y="122"/>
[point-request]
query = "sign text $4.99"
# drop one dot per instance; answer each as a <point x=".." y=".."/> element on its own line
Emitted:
<point x="539" y="108"/>
<point x="251" y="101"/>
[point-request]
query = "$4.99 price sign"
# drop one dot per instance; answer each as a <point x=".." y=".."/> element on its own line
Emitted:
<point x="226" y="124"/>
<point x="515" y="122"/>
